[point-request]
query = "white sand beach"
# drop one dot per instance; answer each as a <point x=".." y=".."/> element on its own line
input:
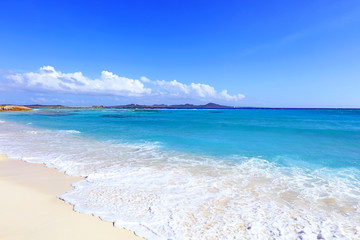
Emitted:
<point x="29" y="208"/>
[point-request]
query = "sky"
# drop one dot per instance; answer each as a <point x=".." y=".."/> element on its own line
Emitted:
<point x="238" y="53"/>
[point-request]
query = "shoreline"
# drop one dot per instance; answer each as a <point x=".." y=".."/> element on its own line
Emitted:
<point x="175" y="194"/>
<point x="30" y="208"/>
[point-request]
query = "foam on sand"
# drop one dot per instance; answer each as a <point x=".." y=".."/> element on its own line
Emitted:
<point x="30" y="209"/>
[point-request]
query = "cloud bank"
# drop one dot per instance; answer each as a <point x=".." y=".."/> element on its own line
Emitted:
<point x="49" y="80"/>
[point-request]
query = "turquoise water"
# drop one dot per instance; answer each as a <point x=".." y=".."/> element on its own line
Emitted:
<point x="313" y="138"/>
<point x="278" y="173"/>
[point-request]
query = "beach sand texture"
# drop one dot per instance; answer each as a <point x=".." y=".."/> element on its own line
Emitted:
<point x="29" y="208"/>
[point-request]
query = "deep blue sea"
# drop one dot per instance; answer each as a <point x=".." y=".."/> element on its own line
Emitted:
<point x="203" y="174"/>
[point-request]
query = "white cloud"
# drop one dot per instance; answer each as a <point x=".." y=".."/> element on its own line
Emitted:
<point x="48" y="79"/>
<point x="193" y="91"/>
<point x="145" y="79"/>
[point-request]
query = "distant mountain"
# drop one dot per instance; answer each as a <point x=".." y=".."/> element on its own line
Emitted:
<point x="214" y="105"/>
<point x="162" y="106"/>
<point x="181" y="106"/>
<point x="138" y="106"/>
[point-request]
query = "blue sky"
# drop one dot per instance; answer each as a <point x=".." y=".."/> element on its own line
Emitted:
<point x="243" y="53"/>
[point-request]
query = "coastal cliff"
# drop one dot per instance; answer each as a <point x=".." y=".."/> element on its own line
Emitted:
<point x="14" y="108"/>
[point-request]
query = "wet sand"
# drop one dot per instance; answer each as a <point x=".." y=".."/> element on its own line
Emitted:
<point x="29" y="208"/>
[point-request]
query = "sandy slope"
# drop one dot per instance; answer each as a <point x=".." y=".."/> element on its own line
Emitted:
<point x="29" y="208"/>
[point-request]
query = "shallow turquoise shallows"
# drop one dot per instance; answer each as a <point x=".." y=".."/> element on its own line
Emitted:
<point x="310" y="138"/>
<point x="275" y="173"/>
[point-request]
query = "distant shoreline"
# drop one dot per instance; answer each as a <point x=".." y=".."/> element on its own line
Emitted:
<point x="163" y="106"/>
<point x="8" y="108"/>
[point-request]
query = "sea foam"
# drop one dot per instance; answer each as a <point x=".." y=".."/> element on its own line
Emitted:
<point x="70" y="131"/>
<point x="172" y="195"/>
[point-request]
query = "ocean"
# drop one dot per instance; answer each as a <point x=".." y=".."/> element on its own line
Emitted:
<point x="202" y="174"/>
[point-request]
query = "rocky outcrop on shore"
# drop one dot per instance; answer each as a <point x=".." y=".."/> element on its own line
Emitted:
<point x="14" y="108"/>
